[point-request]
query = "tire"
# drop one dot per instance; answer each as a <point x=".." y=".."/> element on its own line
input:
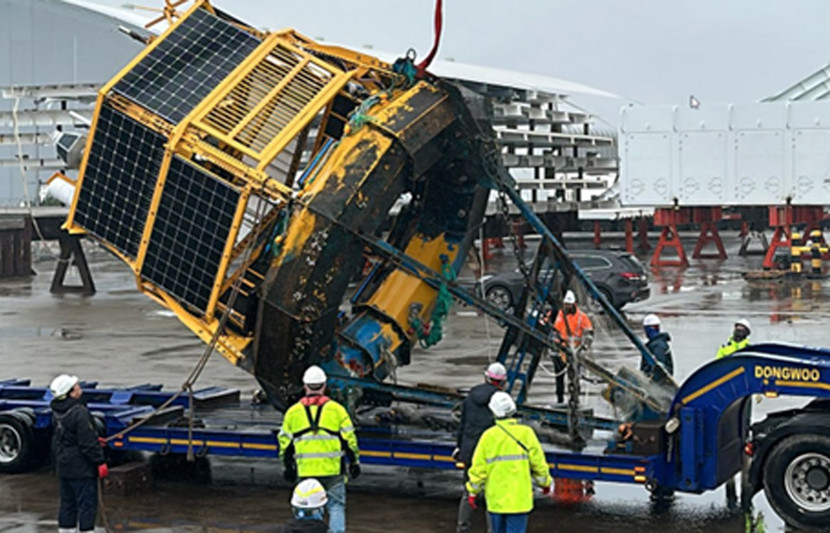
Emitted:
<point x="16" y="443"/>
<point x="797" y="481"/>
<point x="499" y="296"/>
<point x="595" y="305"/>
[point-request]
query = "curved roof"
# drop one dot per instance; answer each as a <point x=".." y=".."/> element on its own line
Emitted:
<point x="495" y="77"/>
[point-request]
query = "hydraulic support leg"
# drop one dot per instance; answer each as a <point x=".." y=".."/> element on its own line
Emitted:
<point x="629" y="236"/>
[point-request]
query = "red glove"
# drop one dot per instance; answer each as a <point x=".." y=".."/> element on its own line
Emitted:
<point x="546" y="490"/>
<point x="472" y="501"/>
<point x="102" y="441"/>
<point x="103" y="471"/>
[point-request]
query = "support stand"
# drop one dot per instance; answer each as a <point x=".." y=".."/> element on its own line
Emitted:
<point x="780" y="239"/>
<point x="709" y="234"/>
<point x="669" y="238"/>
<point x="72" y="253"/>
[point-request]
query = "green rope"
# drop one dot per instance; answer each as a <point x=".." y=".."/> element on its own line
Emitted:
<point x="431" y="334"/>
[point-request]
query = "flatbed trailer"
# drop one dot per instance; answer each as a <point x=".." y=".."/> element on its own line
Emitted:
<point x="703" y="443"/>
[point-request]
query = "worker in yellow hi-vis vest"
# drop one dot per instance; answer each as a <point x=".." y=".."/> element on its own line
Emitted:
<point x="315" y="434"/>
<point x="506" y="462"/>
<point x="739" y="339"/>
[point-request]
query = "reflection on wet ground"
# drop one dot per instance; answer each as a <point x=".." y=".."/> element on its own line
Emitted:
<point x="119" y="337"/>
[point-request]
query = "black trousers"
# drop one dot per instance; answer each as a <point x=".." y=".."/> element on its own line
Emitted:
<point x="79" y="503"/>
<point x="559" y="368"/>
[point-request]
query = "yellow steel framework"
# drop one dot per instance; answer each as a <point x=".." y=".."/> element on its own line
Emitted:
<point x="266" y="102"/>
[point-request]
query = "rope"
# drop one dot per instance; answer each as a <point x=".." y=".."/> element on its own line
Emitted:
<point x="187" y="386"/>
<point x="423" y="65"/>
<point x="430" y="334"/>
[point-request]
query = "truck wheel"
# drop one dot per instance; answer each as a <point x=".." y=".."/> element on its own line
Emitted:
<point x="797" y="481"/>
<point x="16" y="444"/>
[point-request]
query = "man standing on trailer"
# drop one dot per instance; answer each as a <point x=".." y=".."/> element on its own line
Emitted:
<point x="316" y="432"/>
<point x="506" y="462"/>
<point x="79" y="459"/>
<point x="574" y="329"/>
<point x="475" y="419"/>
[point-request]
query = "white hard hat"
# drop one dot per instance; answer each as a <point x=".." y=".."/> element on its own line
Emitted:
<point x="501" y="405"/>
<point x="570" y="298"/>
<point x="309" y="494"/>
<point x="496" y="371"/>
<point x="62" y="384"/>
<point x="745" y="323"/>
<point x="314" y="375"/>
<point x="651" y="320"/>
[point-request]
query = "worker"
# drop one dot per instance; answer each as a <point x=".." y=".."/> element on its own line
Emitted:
<point x="475" y="419"/>
<point x="506" y="462"/>
<point x="796" y="249"/>
<point x="79" y="459"/>
<point x="739" y="339"/>
<point x="308" y="505"/>
<point x="316" y="433"/>
<point x="573" y="328"/>
<point x="815" y="245"/>
<point x="658" y="345"/>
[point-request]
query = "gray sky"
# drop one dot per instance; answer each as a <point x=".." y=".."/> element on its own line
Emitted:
<point x="652" y="51"/>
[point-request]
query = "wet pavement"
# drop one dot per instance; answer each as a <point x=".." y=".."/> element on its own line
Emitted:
<point x="119" y="337"/>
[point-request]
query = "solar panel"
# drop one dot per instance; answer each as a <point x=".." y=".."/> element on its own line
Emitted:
<point x="121" y="172"/>
<point x="187" y="65"/>
<point x="192" y="225"/>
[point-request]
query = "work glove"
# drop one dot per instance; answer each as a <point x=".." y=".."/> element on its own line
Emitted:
<point x="102" y="442"/>
<point x="354" y="470"/>
<point x="289" y="474"/>
<point x="546" y="490"/>
<point x="471" y="499"/>
<point x="103" y="471"/>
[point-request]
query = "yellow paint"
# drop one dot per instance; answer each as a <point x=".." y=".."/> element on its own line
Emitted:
<point x="299" y="231"/>
<point x="400" y="289"/>
<point x="787" y="373"/>
<point x="579" y="468"/>
<point x="369" y="453"/>
<point x="806" y="385"/>
<point x="414" y="456"/>
<point x="226" y="254"/>
<point x="616" y="471"/>
<point x="255" y="446"/>
<point x="718" y="382"/>
<point x="70" y="219"/>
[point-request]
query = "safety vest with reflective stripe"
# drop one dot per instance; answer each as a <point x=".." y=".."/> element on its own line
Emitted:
<point x="731" y="347"/>
<point x="318" y="453"/>
<point x="506" y="462"/>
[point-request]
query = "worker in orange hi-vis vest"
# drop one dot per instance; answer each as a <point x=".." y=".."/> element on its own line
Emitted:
<point x="573" y="328"/>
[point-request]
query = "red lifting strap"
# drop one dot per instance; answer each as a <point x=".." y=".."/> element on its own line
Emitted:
<point x="423" y="65"/>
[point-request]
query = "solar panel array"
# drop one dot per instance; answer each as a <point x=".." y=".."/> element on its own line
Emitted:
<point x="192" y="225"/>
<point x="186" y="65"/>
<point x="119" y="180"/>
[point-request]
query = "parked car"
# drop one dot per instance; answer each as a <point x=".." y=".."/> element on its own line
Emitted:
<point x="618" y="275"/>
